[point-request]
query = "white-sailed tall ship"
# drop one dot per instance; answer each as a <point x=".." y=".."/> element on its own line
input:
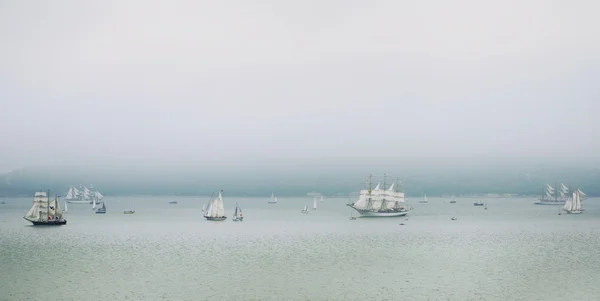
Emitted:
<point x="554" y="195"/>
<point x="45" y="212"/>
<point x="573" y="204"/>
<point x="216" y="209"/>
<point x="83" y="195"/>
<point x="381" y="202"/>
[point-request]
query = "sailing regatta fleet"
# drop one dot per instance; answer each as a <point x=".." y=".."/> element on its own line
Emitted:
<point x="381" y="201"/>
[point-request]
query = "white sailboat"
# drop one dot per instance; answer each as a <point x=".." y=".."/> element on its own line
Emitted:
<point x="273" y="199"/>
<point x="66" y="209"/>
<point x="573" y="204"/>
<point x="216" y="209"/>
<point x="424" y="200"/>
<point x="45" y="212"/>
<point x="305" y="209"/>
<point x="322" y="199"/>
<point x="315" y="203"/>
<point x="381" y="202"/>
<point x="94" y="204"/>
<point x="237" y="215"/>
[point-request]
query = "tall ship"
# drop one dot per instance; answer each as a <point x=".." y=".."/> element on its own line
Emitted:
<point x="553" y="195"/>
<point x="45" y="212"/>
<point x="83" y="195"/>
<point x="381" y="202"/>
<point x="216" y="209"/>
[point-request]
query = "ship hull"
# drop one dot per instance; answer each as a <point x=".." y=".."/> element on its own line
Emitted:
<point x="216" y="219"/>
<point x="49" y="223"/>
<point x="382" y="214"/>
<point x="79" y="202"/>
<point x="549" y="202"/>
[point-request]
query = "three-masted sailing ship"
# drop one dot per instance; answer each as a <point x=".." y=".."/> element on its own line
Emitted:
<point x="553" y="195"/>
<point x="380" y="202"/>
<point x="45" y="212"/>
<point x="216" y="209"/>
<point x="83" y="195"/>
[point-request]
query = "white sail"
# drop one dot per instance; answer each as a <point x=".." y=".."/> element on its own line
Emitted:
<point x="216" y="207"/>
<point x="425" y="198"/>
<point x="98" y="195"/>
<point x="65" y="207"/>
<point x="581" y="193"/>
<point x="39" y="210"/>
<point x="305" y="208"/>
<point x="72" y="194"/>
<point x="321" y="198"/>
<point x="549" y="188"/>
<point x="209" y="210"/>
<point x="563" y="188"/>
<point x="569" y="204"/>
<point x="94" y="204"/>
<point x="315" y="203"/>
<point x="377" y="187"/>
<point x="576" y="202"/>
<point x="204" y="208"/>
<point x="392" y="187"/>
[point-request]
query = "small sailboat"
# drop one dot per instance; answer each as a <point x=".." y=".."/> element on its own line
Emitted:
<point x="129" y="212"/>
<point x="305" y="209"/>
<point x="322" y="199"/>
<point x="216" y="209"/>
<point x="66" y="209"/>
<point x="237" y="215"/>
<point x="478" y="203"/>
<point x="172" y="202"/>
<point x="273" y="199"/>
<point x="454" y="218"/>
<point x="94" y="204"/>
<point x="101" y="210"/>
<point x="453" y="201"/>
<point x="352" y="217"/>
<point x="315" y="203"/>
<point x="424" y="200"/>
<point x="45" y="212"/>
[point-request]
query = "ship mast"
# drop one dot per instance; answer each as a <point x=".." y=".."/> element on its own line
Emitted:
<point x="382" y="194"/>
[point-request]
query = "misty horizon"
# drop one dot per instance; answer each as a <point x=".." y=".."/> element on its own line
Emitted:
<point x="306" y="86"/>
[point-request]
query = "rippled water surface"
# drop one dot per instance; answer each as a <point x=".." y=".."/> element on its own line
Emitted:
<point x="512" y="251"/>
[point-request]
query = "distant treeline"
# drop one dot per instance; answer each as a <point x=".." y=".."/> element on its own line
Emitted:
<point x="293" y="183"/>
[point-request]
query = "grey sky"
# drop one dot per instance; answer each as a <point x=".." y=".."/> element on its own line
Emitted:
<point x="247" y="81"/>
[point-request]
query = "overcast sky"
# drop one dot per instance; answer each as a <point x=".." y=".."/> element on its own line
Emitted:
<point x="180" y="82"/>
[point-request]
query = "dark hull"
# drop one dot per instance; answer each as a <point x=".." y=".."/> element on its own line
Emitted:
<point x="50" y="223"/>
<point x="100" y="212"/>
<point x="217" y="219"/>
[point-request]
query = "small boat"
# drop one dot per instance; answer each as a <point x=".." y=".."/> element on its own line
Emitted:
<point x="479" y="203"/>
<point x="237" y="215"/>
<point x="273" y="199"/>
<point x="454" y="218"/>
<point x="2" y="202"/>
<point x="45" y="212"/>
<point x="315" y="203"/>
<point x="173" y="202"/>
<point x="402" y="224"/>
<point x="322" y="199"/>
<point x="66" y="209"/>
<point x="453" y="200"/>
<point x="216" y="209"/>
<point x="352" y="217"/>
<point x="129" y="212"/>
<point x="305" y="210"/>
<point x="424" y="200"/>
<point x="101" y="210"/>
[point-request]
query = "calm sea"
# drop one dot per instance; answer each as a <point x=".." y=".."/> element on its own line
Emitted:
<point x="513" y="251"/>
